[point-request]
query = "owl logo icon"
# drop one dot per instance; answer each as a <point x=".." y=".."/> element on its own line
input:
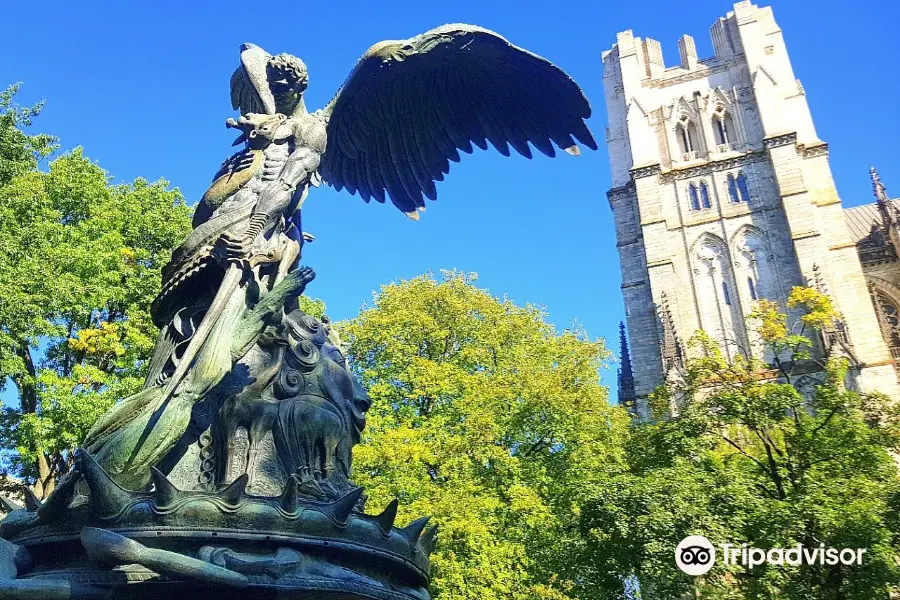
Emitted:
<point x="695" y="555"/>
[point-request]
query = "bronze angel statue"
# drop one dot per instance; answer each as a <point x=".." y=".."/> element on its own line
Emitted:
<point x="406" y="111"/>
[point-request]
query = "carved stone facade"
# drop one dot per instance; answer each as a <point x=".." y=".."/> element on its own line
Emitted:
<point x="876" y="230"/>
<point x="722" y="195"/>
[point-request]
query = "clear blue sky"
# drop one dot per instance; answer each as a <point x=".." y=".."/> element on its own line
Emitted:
<point x="143" y="87"/>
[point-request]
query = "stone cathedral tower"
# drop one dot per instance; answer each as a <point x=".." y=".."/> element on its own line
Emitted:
<point x="722" y="194"/>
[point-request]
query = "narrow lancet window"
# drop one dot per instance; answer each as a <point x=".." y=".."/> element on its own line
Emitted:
<point x="720" y="129"/>
<point x="695" y="200"/>
<point x="683" y="140"/>
<point x="742" y="188"/>
<point x="732" y="189"/>
<point x="704" y="195"/>
<point x="724" y="131"/>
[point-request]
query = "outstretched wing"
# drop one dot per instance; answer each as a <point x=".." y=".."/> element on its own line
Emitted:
<point x="408" y="107"/>
<point x="250" y="91"/>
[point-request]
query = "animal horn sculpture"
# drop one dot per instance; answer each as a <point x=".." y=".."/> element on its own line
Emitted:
<point x="341" y="508"/>
<point x="288" y="499"/>
<point x="235" y="490"/>
<point x="165" y="494"/>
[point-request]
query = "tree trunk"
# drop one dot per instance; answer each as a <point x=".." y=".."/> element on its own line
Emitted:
<point x="44" y="483"/>
<point x="26" y="383"/>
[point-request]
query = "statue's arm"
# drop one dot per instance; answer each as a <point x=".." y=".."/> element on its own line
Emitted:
<point x="268" y="311"/>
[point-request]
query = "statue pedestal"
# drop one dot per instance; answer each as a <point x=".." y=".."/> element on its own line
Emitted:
<point x="169" y="543"/>
<point x="286" y="416"/>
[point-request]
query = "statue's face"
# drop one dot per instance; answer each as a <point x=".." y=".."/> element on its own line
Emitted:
<point x="361" y="404"/>
<point x="288" y="79"/>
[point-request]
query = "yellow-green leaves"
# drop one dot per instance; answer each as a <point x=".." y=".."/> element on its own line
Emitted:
<point x="19" y="151"/>
<point x="492" y="421"/>
<point x="102" y="343"/>
<point x="769" y="321"/>
<point x="819" y="311"/>
<point x="311" y="306"/>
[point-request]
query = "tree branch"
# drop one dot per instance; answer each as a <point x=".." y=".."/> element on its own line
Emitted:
<point x="818" y="427"/>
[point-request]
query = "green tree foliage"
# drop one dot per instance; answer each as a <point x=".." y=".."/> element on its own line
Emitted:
<point x="311" y="306"/>
<point x="743" y="457"/>
<point x="80" y="263"/>
<point x="487" y="418"/>
<point x="19" y="152"/>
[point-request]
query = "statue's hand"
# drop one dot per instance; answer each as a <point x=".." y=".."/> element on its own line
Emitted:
<point x="230" y="247"/>
<point x="269" y="310"/>
<point x="233" y="246"/>
<point x="298" y="279"/>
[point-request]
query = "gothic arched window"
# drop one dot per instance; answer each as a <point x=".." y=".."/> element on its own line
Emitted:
<point x="688" y="139"/>
<point x="704" y="195"/>
<point x="684" y="143"/>
<point x="692" y="136"/>
<point x="695" y="200"/>
<point x="754" y="274"/>
<point x="890" y="318"/>
<point x="742" y="188"/>
<point x="733" y="189"/>
<point x="715" y="284"/>
<point x="724" y="128"/>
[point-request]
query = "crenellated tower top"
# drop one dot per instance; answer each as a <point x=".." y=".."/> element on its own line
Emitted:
<point x="749" y="80"/>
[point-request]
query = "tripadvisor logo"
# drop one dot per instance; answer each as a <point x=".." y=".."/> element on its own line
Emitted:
<point x="695" y="555"/>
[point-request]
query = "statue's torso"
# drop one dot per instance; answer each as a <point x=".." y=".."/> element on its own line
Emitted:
<point x="264" y="158"/>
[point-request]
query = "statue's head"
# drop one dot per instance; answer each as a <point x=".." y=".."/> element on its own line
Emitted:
<point x="268" y="84"/>
<point x="288" y="79"/>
